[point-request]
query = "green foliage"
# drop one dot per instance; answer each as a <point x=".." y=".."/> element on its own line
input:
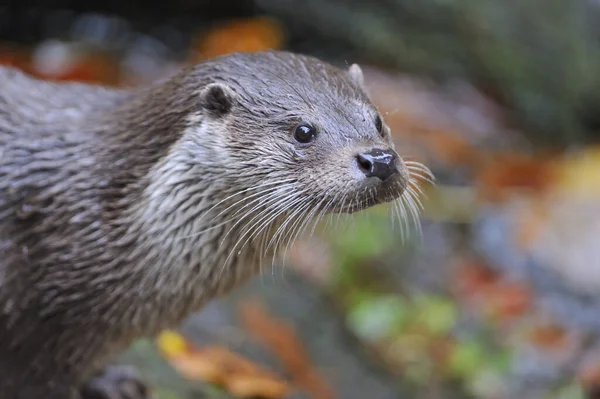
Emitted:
<point x="363" y="236"/>
<point x="437" y="314"/>
<point x="418" y="326"/>
<point x="376" y="317"/>
<point x="467" y="359"/>
<point x="572" y="391"/>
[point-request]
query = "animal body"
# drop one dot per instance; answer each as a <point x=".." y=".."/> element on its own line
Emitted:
<point x="124" y="210"/>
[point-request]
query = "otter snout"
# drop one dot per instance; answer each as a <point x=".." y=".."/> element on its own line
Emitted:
<point x="382" y="175"/>
<point x="378" y="163"/>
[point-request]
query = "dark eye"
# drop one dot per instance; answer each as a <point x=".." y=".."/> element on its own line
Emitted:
<point x="304" y="134"/>
<point x="379" y="125"/>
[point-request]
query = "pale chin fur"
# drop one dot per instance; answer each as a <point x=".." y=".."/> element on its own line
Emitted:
<point x="182" y="242"/>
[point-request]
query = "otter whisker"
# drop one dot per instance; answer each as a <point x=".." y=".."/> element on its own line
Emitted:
<point x="310" y="218"/>
<point x="248" y="189"/>
<point x="323" y="207"/>
<point x="273" y="196"/>
<point x="261" y="216"/>
<point x="409" y="200"/>
<point x="412" y="193"/>
<point x="417" y="174"/>
<point x="282" y="228"/>
<point x="415" y="163"/>
<point x="277" y="236"/>
<point x="327" y="208"/>
<point x="414" y="212"/>
<point x="402" y="220"/>
<point x="263" y="213"/>
<point x="423" y="173"/>
<point x="257" y="194"/>
<point x="396" y="217"/>
<point x="295" y="227"/>
<point x="283" y="207"/>
<point x="286" y="234"/>
<point x="225" y="222"/>
<point x="268" y="193"/>
<point x="260" y="202"/>
<point x="285" y="227"/>
<point x="319" y="216"/>
<point x="245" y="229"/>
<point x="342" y="205"/>
<point x="403" y="217"/>
<point x="415" y="186"/>
<point x="262" y="192"/>
<point x="418" y="165"/>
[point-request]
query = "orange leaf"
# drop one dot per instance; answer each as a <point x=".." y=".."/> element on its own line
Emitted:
<point x="198" y="367"/>
<point x="88" y="68"/>
<point x="220" y="366"/>
<point x="11" y="56"/>
<point x="548" y="337"/>
<point x="284" y="343"/>
<point x="446" y="147"/>
<point x="244" y="386"/>
<point x="240" y="36"/>
<point x="452" y="149"/>
<point x="502" y="173"/>
<point x="507" y="300"/>
<point x="472" y="279"/>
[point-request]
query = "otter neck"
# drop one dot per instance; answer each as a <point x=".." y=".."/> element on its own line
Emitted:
<point x="185" y="252"/>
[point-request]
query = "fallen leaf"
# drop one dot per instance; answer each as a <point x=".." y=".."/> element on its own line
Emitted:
<point x="577" y="174"/>
<point x="88" y="68"/>
<point x="472" y="279"/>
<point x="171" y="343"/>
<point x="503" y="173"/>
<point x="195" y="367"/>
<point x="246" y="386"/>
<point x="17" y="58"/>
<point x="245" y="35"/>
<point x="283" y="342"/>
<point x="507" y="300"/>
<point x="485" y="289"/>
<point x="548" y="337"/>
<point x="220" y="366"/>
<point x="445" y="146"/>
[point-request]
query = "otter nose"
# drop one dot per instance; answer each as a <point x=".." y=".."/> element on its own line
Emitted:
<point x="378" y="163"/>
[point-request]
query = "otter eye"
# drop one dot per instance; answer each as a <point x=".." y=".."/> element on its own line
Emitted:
<point x="304" y="134"/>
<point x="379" y="125"/>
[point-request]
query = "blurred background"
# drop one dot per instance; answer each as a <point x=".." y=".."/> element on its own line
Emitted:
<point x="498" y="298"/>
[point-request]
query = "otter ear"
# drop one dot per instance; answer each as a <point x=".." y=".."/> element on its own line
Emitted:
<point x="217" y="99"/>
<point x="356" y="74"/>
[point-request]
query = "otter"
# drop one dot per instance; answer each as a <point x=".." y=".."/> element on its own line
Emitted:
<point x="123" y="210"/>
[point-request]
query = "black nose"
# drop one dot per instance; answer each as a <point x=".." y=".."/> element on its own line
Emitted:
<point x="377" y="163"/>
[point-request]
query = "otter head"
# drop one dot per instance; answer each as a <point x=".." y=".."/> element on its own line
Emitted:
<point x="309" y="129"/>
<point x="267" y="144"/>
